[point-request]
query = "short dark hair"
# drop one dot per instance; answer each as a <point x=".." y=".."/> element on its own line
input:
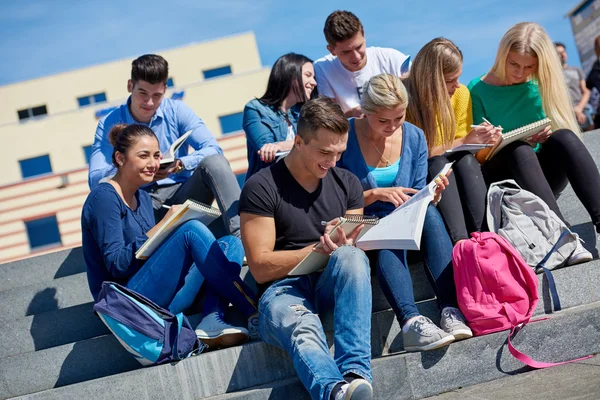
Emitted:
<point x="321" y="113"/>
<point x="123" y="136"/>
<point x="557" y="44"/>
<point x="150" y="68"/>
<point x="341" y="25"/>
<point x="286" y="75"/>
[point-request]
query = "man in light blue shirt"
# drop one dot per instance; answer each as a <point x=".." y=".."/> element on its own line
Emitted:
<point x="202" y="175"/>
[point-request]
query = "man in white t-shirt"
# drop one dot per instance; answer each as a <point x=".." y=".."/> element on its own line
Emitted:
<point x="342" y="74"/>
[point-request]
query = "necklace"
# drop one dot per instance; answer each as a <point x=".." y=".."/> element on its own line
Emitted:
<point x="385" y="160"/>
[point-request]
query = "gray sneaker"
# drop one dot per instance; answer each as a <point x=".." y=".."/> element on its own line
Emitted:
<point x="359" y="389"/>
<point x="580" y="255"/>
<point x="253" y="327"/>
<point x="423" y="335"/>
<point x="453" y="321"/>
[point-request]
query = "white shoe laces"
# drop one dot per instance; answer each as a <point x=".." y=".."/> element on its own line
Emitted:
<point x="424" y="325"/>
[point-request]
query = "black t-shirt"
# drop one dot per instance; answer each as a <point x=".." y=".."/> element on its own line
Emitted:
<point x="298" y="214"/>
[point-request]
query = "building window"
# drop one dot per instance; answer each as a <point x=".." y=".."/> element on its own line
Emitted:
<point x="87" y="151"/>
<point x="43" y="232"/>
<point x="35" y="166"/>
<point x="241" y="178"/>
<point x="170" y="82"/>
<point x="213" y="73"/>
<point x="231" y="123"/>
<point x="32" y="112"/>
<point x="91" y="99"/>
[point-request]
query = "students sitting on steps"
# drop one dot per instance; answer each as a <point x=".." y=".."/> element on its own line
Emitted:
<point x="294" y="204"/>
<point x="117" y="219"/>
<point x="389" y="156"/>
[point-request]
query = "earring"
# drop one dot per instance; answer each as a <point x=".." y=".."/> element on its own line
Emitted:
<point x="120" y="163"/>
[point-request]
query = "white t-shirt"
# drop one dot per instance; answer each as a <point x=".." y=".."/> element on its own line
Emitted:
<point x="336" y="82"/>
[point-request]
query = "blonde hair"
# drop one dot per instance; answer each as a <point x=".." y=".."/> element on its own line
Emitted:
<point x="529" y="38"/>
<point x="383" y="91"/>
<point x="430" y="108"/>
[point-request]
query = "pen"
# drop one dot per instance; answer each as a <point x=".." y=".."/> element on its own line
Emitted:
<point x="166" y="206"/>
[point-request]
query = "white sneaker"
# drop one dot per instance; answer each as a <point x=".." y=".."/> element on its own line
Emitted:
<point x="217" y="333"/>
<point x="580" y="255"/>
<point x="453" y="321"/>
<point x="359" y="389"/>
<point x="421" y="335"/>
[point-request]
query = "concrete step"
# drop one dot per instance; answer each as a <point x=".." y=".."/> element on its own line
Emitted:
<point x="569" y="334"/>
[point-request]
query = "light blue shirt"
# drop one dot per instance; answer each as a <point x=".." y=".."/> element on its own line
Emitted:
<point x="385" y="176"/>
<point x="172" y="119"/>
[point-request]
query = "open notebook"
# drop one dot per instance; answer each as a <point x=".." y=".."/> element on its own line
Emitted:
<point x="188" y="211"/>
<point x="169" y="155"/>
<point x="400" y="230"/>
<point x="521" y="133"/>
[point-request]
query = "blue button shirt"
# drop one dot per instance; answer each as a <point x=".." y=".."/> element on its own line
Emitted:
<point x="172" y="119"/>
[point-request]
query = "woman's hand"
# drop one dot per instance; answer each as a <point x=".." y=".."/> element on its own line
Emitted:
<point x="328" y="246"/>
<point x="395" y="195"/>
<point x="171" y="211"/>
<point x="441" y="183"/>
<point x="540" y="137"/>
<point x="483" y="134"/>
<point x="268" y="152"/>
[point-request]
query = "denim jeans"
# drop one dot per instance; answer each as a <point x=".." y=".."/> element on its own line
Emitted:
<point x="394" y="275"/>
<point x="289" y="313"/>
<point x="212" y="179"/>
<point x="174" y="274"/>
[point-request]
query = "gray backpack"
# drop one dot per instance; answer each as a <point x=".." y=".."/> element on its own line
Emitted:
<point x="529" y="225"/>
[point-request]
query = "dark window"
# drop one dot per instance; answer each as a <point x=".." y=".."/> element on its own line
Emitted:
<point x="35" y="166"/>
<point x="213" y="73"/>
<point x="32" y="112"/>
<point x="231" y="123"/>
<point x="241" y="178"/>
<point x="91" y="99"/>
<point x="170" y="82"/>
<point x="87" y="150"/>
<point x="43" y="232"/>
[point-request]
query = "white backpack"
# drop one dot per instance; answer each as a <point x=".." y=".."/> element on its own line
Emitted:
<point x="526" y="222"/>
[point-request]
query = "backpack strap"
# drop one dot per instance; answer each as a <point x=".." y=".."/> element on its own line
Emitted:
<point x="525" y="359"/>
<point x="549" y="276"/>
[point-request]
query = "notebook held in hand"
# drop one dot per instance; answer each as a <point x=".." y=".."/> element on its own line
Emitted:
<point x="522" y="133"/>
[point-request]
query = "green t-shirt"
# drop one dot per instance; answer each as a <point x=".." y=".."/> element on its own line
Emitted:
<point x="508" y="106"/>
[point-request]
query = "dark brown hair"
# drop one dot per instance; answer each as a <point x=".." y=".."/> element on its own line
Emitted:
<point x="340" y="26"/>
<point x="123" y="137"/>
<point x="150" y="68"/>
<point x="321" y="113"/>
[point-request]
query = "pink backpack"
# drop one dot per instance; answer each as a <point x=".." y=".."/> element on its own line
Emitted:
<point x="496" y="289"/>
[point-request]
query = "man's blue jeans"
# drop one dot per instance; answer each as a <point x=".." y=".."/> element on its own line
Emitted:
<point x="289" y="319"/>
<point x="174" y="274"/>
<point x="394" y="275"/>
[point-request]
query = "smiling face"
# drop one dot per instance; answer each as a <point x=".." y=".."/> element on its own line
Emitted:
<point x="322" y="152"/>
<point x="141" y="161"/>
<point x="386" y="121"/>
<point x="451" y="80"/>
<point x="519" y="67"/>
<point x="308" y="79"/>
<point x="352" y="52"/>
<point x="145" y="99"/>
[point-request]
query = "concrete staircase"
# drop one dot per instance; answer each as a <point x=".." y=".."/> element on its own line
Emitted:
<point x="55" y="348"/>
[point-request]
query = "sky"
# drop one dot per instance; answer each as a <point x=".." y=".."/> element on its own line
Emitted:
<point x="44" y="37"/>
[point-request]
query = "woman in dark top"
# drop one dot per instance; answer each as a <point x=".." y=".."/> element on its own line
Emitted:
<point x="270" y="122"/>
<point x="117" y="218"/>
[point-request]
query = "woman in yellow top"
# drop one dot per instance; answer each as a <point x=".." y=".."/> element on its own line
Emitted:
<point x="441" y="106"/>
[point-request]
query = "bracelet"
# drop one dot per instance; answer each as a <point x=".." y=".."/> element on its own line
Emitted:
<point x="435" y="203"/>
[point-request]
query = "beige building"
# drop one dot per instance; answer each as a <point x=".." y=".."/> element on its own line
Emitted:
<point x="49" y="123"/>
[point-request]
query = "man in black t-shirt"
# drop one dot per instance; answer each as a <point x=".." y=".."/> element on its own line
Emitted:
<point x="285" y="210"/>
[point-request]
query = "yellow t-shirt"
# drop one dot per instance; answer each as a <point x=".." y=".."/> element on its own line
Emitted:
<point x="463" y="114"/>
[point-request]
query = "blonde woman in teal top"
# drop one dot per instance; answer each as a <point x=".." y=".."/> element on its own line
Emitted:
<point x="525" y="85"/>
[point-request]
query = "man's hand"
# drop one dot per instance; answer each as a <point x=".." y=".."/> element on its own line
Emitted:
<point x="172" y="168"/>
<point x="540" y="137"/>
<point x="581" y="118"/>
<point x="395" y="195"/>
<point x="328" y="246"/>
<point x="354" y="112"/>
<point x="268" y="152"/>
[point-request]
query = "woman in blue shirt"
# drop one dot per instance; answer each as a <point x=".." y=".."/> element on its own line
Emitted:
<point x="270" y="122"/>
<point x="389" y="156"/>
<point x="117" y="218"/>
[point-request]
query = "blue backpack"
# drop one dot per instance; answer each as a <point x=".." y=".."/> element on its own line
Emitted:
<point x="152" y="334"/>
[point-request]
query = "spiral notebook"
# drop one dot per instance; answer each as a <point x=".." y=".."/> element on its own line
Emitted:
<point x="190" y="210"/>
<point x="521" y="133"/>
<point x="316" y="261"/>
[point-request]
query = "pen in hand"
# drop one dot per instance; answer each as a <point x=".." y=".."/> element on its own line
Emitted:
<point x="166" y="206"/>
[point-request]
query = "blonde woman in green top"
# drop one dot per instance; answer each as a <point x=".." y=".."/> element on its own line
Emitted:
<point x="525" y="85"/>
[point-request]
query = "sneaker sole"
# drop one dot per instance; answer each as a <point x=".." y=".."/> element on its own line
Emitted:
<point x="462" y="334"/>
<point x="226" y="340"/>
<point x="581" y="260"/>
<point x="432" y="346"/>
